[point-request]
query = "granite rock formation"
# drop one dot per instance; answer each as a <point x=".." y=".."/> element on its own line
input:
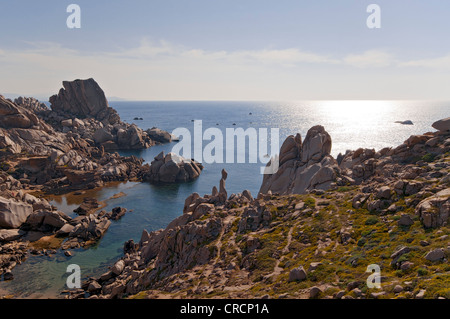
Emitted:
<point x="172" y="168"/>
<point x="303" y="166"/>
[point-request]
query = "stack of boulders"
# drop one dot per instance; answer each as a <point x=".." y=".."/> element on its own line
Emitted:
<point x="160" y="136"/>
<point x="172" y="168"/>
<point x="22" y="131"/>
<point x="82" y="108"/>
<point x="303" y="166"/>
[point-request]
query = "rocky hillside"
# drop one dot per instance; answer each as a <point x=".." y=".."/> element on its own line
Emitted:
<point x="389" y="208"/>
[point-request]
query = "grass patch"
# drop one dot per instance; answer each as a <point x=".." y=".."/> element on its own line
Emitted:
<point x="428" y="157"/>
<point x="372" y="220"/>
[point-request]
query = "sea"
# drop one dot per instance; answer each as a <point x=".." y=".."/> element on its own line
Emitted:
<point x="351" y="125"/>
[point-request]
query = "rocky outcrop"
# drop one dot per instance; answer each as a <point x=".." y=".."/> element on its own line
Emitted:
<point x="160" y="136"/>
<point x="13" y="116"/>
<point x="82" y="108"/>
<point x="88" y="206"/>
<point x="88" y="230"/>
<point x="45" y="221"/>
<point x="32" y="104"/>
<point x="21" y="130"/>
<point x="172" y="168"/>
<point x="303" y="166"/>
<point x="84" y="99"/>
<point x="13" y="213"/>
<point x="442" y="125"/>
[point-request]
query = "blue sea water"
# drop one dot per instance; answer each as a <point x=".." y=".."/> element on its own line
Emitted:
<point x="351" y="124"/>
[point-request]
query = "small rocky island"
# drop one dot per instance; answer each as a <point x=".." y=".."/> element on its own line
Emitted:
<point x="312" y="231"/>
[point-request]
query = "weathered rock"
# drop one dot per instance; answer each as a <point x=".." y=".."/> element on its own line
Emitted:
<point x="435" y="255"/>
<point x="10" y="234"/>
<point x="82" y="107"/>
<point x="65" y="230"/>
<point x="118" y="267"/>
<point x="172" y="168"/>
<point x="12" y="213"/>
<point x="88" y="206"/>
<point x="14" y="116"/>
<point x="83" y="99"/>
<point x="397" y="254"/>
<point x="102" y="135"/>
<point x="117" y="213"/>
<point x="159" y="135"/>
<point x="383" y="192"/>
<point x="303" y="167"/>
<point x="434" y="211"/>
<point x="442" y="125"/>
<point x="94" y="287"/>
<point x="406" y="122"/>
<point x="405" y="220"/>
<point x="297" y="274"/>
<point x="45" y="221"/>
<point x="406" y="265"/>
<point x="314" y="265"/>
<point x="90" y="228"/>
<point x="223" y="195"/>
<point x="314" y="292"/>
<point x="398" y="289"/>
<point x="421" y="294"/>
<point x="130" y="247"/>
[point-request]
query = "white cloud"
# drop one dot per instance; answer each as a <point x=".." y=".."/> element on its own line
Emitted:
<point x="284" y="57"/>
<point x="433" y="63"/>
<point x="146" y="50"/>
<point x="163" y="70"/>
<point x="370" y="59"/>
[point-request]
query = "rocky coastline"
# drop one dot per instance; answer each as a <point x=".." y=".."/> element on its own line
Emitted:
<point x="68" y="147"/>
<point x="312" y="231"/>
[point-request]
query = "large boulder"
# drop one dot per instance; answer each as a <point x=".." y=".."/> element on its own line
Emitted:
<point x="44" y="220"/>
<point x="91" y="227"/>
<point x="159" y="135"/>
<point x="7" y="144"/>
<point x="172" y="168"/>
<point x="83" y="99"/>
<point x="132" y="138"/>
<point x="12" y="213"/>
<point x="434" y="211"/>
<point x="14" y="116"/>
<point x="297" y="274"/>
<point x="442" y="125"/>
<point x="10" y="234"/>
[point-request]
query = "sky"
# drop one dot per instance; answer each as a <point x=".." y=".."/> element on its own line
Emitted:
<point x="229" y="49"/>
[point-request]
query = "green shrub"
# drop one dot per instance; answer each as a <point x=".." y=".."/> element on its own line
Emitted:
<point x="372" y="220"/>
<point x="310" y="202"/>
<point x="428" y="157"/>
<point x="422" y="272"/>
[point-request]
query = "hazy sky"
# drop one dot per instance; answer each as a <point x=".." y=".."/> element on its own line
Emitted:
<point x="229" y="49"/>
